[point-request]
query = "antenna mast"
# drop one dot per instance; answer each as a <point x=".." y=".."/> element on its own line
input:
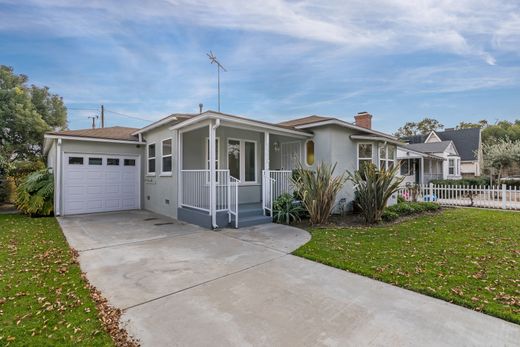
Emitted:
<point x="213" y="60"/>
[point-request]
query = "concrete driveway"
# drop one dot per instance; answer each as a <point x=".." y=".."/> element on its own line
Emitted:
<point x="181" y="285"/>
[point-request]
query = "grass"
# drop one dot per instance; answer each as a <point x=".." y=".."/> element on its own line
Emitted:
<point x="470" y="257"/>
<point x="43" y="299"/>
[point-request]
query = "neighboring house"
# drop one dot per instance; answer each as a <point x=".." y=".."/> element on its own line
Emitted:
<point x="468" y="144"/>
<point x="424" y="162"/>
<point x="211" y="169"/>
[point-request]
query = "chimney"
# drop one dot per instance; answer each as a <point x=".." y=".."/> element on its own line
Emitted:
<point x="364" y="120"/>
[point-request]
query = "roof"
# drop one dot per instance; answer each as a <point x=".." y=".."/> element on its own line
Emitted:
<point x="109" y="133"/>
<point x="431" y="147"/>
<point x="171" y="120"/>
<point x="304" y="120"/>
<point x="316" y="121"/>
<point x="467" y="141"/>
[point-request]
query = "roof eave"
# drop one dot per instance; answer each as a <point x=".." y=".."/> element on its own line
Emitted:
<point x="91" y="139"/>
<point x="346" y="125"/>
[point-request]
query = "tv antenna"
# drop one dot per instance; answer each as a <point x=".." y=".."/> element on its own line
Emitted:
<point x="213" y="60"/>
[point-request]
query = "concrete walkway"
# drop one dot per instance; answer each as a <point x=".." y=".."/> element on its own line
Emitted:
<point x="181" y="285"/>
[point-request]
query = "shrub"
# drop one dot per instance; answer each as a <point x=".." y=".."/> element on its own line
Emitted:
<point x="286" y="209"/>
<point x="477" y="181"/>
<point x="35" y="194"/>
<point x="20" y="169"/>
<point x="393" y="212"/>
<point x="318" y="190"/>
<point x="374" y="187"/>
<point x="511" y="183"/>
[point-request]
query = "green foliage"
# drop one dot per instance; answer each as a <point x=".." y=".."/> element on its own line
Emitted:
<point x="7" y="190"/>
<point x="477" y="181"/>
<point x="44" y="299"/>
<point x="318" y="190"/>
<point x="465" y="256"/>
<point x="35" y="194"/>
<point x="26" y="113"/>
<point x="400" y="199"/>
<point x="511" y="183"/>
<point x="374" y="187"/>
<point x="286" y="209"/>
<point x="468" y="125"/>
<point x="502" y="154"/>
<point x="423" y="127"/>
<point x="400" y="209"/>
<point x="503" y="130"/>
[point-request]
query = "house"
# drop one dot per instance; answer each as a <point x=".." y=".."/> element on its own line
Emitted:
<point x="211" y="169"/>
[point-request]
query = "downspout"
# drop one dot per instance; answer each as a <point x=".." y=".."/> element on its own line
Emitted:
<point x="57" y="180"/>
<point x="212" y="173"/>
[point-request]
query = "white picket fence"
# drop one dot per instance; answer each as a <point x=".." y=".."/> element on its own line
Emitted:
<point x="498" y="197"/>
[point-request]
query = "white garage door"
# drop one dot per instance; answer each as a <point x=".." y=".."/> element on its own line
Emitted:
<point x="100" y="183"/>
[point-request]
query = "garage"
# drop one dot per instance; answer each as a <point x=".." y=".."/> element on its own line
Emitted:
<point x="100" y="183"/>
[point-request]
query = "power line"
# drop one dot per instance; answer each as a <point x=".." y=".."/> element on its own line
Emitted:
<point x="115" y="112"/>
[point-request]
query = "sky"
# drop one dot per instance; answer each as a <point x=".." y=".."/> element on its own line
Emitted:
<point x="399" y="60"/>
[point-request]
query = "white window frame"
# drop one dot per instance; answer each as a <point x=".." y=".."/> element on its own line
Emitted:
<point x="165" y="173"/>
<point x="386" y="159"/>
<point x="242" y="164"/>
<point x="452" y="160"/>
<point x="371" y="151"/>
<point x="148" y="158"/>
<point x="305" y="152"/>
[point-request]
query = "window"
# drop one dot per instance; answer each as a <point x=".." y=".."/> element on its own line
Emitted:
<point x="407" y="167"/>
<point x="242" y="160"/>
<point x="166" y="153"/>
<point x="113" y="162"/>
<point x="129" y="162"/>
<point x="364" y="154"/>
<point x="217" y="153"/>
<point x="75" y="160"/>
<point x="451" y="167"/>
<point x="386" y="157"/>
<point x="95" y="161"/>
<point x="151" y="158"/>
<point x="234" y="158"/>
<point x="309" y="152"/>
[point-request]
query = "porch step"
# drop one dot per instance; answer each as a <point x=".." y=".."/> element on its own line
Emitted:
<point x="251" y="220"/>
<point x="249" y="210"/>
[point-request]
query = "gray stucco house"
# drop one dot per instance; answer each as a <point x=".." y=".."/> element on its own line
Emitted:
<point x="212" y="169"/>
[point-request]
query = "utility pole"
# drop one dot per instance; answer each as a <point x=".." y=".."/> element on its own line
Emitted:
<point x="213" y="60"/>
<point x="102" y="116"/>
<point x="93" y="121"/>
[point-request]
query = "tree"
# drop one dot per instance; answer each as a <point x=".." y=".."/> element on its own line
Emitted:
<point x="501" y="155"/>
<point x="423" y="127"/>
<point x="502" y="130"/>
<point x="26" y="113"/>
<point x="468" y="125"/>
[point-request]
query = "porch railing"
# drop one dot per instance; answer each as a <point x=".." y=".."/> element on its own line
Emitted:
<point x="274" y="184"/>
<point x="233" y="199"/>
<point x="196" y="189"/>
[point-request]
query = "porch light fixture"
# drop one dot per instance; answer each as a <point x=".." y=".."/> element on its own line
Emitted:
<point x="276" y="146"/>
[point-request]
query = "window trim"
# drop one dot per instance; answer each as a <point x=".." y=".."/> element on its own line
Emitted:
<point x="148" y="158"/>
<point x="357" y="155"/>
<point x="242" y="163"/>
<point x="166" y="173"/>
<point x="454" y="160"/>
<point x="313" y="154"/>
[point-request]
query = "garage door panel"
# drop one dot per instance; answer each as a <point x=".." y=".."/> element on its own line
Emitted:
<point x="100" y="188"/>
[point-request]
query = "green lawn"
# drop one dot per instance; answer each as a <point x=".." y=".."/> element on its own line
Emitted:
<point x="470" y="257"/>
<point x="43" y="299"/>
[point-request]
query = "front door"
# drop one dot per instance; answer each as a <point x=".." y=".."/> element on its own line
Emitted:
<point x="290" y="154"/>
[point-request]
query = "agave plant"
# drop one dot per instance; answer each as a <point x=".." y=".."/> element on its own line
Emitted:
<point x="286" y="209"/>
<point x="318" y="190"/>
<point x="373" y="188"/>
<point x="35" y="194"/>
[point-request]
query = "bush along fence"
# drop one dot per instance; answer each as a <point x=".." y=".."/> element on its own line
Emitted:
<point x="498" y="197"/>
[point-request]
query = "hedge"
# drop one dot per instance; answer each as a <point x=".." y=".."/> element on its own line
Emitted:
<point x="477" y="181"/>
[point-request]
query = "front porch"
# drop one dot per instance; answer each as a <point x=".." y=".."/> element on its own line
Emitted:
<point x="419" y="168"/>
<point x="230" y="173"/>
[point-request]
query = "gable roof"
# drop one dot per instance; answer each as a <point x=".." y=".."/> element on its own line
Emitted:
<point x="172" y="119"/>
<point x="109" y="133"/>
<point x="467" y="141"/>
<point x="430" y="147"/>
<point x="316" y="121"/>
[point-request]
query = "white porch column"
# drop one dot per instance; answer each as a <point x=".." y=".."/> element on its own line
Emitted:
<point x="421" y="173"/>
<point x="266" y="150"/>
<point x="212" y="176"/>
